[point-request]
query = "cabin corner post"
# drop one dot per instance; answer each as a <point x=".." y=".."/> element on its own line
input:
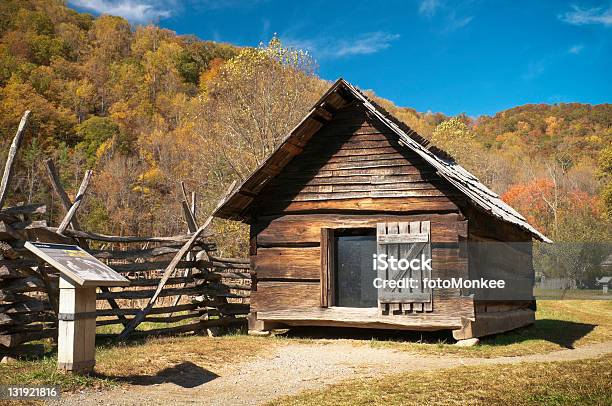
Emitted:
<point x="254" y="326"/>
<point x="485" y="324"/>
<point x="253" y="256"/>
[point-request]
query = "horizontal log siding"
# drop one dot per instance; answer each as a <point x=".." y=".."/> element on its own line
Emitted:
<point x="286" y="261"/>
<point x="354" y="163"/>
<point x="285" y="295"/>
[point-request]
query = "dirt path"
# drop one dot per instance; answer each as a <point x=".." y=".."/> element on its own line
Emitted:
<point x="296" y="367"/>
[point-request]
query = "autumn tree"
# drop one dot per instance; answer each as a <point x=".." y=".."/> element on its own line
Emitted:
<point x="571" y="218"/>
<point x="605" y="174"/>
<point x="255" y="100"/>
<point x="93" y="132"/>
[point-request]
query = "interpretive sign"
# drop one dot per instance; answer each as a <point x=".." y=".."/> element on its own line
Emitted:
<point x="80" y="275"/>
<point x="77" y="264"/>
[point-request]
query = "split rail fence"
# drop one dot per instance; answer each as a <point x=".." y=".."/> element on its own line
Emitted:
<point x="177" y="284"/>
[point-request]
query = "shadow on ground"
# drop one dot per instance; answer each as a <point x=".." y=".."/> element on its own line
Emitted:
<point x="369" y="334"/>
<point x="30" y="351"/>
<point x="185" y="374"/>
<point x="560" y="332"/>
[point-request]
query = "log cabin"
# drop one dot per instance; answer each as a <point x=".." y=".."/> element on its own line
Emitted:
<point x="350" y="181"/>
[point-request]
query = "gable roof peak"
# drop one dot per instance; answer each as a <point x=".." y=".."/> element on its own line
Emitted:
<point x="340" y="94"/>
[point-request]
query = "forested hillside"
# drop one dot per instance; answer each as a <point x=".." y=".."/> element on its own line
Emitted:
<point x="145" y="108"/>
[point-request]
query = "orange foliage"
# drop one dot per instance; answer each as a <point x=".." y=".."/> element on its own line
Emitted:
<point x="537" y="202"/>
<point x="530" y="200"/>
<point x="214" y="68"/>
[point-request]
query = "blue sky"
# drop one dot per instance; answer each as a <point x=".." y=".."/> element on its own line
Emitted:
<point x="471" y="56"/>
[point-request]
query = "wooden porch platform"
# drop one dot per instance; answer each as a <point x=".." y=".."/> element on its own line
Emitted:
<point x="360" y="317"/>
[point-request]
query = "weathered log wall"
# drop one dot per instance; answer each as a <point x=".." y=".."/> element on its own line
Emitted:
<point x="351" y="174"/>
<point x="354" y="163"/>
<point x="287" y="262"/>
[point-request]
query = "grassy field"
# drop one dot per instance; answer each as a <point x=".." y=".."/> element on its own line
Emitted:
<point x="586" y="382"/>
<point x="580" y="294"/>
<point x="560" y="324"/>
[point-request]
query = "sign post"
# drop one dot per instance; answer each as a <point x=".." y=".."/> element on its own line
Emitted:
<point x="80" y="274"/>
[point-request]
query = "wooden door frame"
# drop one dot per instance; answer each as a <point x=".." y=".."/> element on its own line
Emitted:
<point x="328" y="266"/>
<point x="328" y="263"/>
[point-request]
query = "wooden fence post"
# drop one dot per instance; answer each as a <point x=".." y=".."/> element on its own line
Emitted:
<point x="10" y="160"/>
<point x="77" y="202"/>
<point x="192" y="225"/>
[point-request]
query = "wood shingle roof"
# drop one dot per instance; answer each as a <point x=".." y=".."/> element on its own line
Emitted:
<point x="235" y="206"/>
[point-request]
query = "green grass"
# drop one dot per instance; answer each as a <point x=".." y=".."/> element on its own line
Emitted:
<point x="586" y="382"/>
<point x="559" y="324"/>
<point x="579" y="294"/>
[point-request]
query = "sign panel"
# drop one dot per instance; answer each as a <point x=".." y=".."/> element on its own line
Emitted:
<point x="77" y="264"/>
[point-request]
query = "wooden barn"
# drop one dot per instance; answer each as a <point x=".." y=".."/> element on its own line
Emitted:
<point x="351" y="181"/>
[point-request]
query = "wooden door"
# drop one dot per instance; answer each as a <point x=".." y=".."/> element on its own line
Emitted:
<point x="404" y="241"/>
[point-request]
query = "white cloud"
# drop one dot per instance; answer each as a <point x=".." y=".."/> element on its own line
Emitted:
<point x="534" y="69"/>
<point x="454" y="23"/>
<point x="583" y="16"/>
<point x="429" y="8"/>
<point x="575" y="49"/>
<point x="445" y="14"/>
<point x="137" y="11"/>
<point x="369" y="43"/>
<point x="364" y="44"/>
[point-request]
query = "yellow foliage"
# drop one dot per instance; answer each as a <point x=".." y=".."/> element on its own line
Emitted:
<point x="552" y="125"/>
<point x="104" y="148"/>
<point x="594" y="139"/>
<point x="454" y="137"/>
<point x="141" y="189"/>
<point x="119" y="111"/>
<point x="151" y="176"/>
